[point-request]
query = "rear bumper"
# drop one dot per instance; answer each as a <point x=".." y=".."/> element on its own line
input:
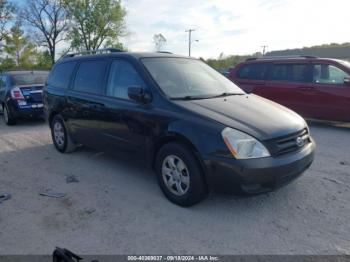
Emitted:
<point x="257" y="175"/>
<point x="30" y="110"/>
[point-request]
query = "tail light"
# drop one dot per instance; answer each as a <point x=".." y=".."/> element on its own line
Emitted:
<point x="16" y="93"/>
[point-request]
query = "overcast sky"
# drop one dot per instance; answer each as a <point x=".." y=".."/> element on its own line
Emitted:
<point x="236" y="26"/>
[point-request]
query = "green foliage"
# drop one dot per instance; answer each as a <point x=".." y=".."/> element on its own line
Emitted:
<point x="113" y="44"/>
<point x="19" y="48"/>
<point x="95" y="22"/>
<point x="333" y="50"/>
<point x="43" y="60"/>
<point x="6" y="12"/>
<point x="225" y="62"/>
<point x="7" y="63"/>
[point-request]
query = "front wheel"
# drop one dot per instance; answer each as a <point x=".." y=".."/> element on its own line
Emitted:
<point x="180" y="175"/>
<point x="60" y="136"/>
<point x="8" y="119"/>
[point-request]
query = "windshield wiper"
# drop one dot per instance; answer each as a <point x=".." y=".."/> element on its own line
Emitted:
<point x="226" y="94"/>
<point x="205" y="97"/>
<point x="188" y="97"/>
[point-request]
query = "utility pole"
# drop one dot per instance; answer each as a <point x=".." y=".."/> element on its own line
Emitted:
<point x="189" y="40"/>
<point x="264" y="49"/>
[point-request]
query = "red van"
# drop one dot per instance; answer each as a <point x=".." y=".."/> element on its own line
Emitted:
<point x="314" y="87"/>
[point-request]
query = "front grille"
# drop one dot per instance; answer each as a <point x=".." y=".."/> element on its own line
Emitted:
<point x="286" y="144"/>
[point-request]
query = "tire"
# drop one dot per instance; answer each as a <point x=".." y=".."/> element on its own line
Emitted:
<point x="8" y="119"/>
<point x="60" y="135"/>
<point x="179" y="175"/>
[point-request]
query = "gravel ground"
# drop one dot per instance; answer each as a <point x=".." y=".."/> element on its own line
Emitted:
<point x="117" y="207"/>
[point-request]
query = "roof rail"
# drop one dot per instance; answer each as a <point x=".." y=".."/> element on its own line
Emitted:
<point x="280" y="57"/>
<point x="23" y="70"/>
<point x="164" y="52"/>
<point x="94" y="52"/>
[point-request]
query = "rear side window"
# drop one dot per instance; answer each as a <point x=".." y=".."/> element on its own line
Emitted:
<point x="328" y="74"/>
<point x="61" y="75"/>
<point x="290" y="72"/>
<point x="90" y="77"/>
<point x="122" y="76"/>
<point x="279" y="72"/>
<point x="253" y="71"/>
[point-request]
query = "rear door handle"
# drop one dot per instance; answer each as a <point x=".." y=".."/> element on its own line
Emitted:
<point x="306" y="88"/>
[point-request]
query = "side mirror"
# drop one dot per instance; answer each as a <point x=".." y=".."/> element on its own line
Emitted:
<point x="347" y="80"/>
<point x="139" y="94"/>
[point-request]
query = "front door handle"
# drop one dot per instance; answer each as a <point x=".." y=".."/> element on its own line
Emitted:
<point x="95" y="105"/>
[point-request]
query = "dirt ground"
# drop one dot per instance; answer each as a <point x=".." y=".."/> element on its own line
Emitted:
<point x="117" y="207"/>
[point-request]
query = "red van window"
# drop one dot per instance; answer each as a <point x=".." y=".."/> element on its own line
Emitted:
<point x="256" y="71"/>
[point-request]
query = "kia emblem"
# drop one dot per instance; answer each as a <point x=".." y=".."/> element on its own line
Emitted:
<point x="300" y="141"/>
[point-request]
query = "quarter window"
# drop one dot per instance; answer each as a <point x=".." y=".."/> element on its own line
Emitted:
<point x="61" y="75"/>
<point x="328" y="74"/>
<point x="253" y="71"/>
<point x="90" y="77"/>
<point x="122" y="76"/>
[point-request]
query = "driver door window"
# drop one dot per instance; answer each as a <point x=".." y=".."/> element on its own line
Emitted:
<point x="122" y="76"/>
<point x="328" y="74"/>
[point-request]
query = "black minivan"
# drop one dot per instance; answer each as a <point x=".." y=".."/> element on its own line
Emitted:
<point x="197" y="129"/>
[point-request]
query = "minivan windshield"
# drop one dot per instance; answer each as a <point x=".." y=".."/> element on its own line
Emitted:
<point x="185" y="78"/>
<point x="34" y="78"/>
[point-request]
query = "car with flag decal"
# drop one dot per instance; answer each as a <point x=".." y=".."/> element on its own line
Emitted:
<point x="21" y="94"/>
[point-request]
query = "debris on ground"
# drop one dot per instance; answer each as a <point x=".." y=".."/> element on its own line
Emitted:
<point x="332" y="180"/>
<point x="52" y="194"/>
<point x="71" y="179"/>
<point x="65" y="255"/>
<point x="4" y="197"/>
<point x="89" y="210"/>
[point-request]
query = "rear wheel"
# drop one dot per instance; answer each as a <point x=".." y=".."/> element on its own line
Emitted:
<point x="180" y="175"/>
<point x="8" y="119"/>
<point x="60" y="136"/>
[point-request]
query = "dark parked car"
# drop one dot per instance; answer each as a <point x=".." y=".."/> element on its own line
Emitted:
<point x="313" y="87"/>
<point x="21" y="94"/>
<point x="197" y="129"/>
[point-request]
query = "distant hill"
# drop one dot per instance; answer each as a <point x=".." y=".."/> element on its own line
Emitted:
<point x="340" y="51"/>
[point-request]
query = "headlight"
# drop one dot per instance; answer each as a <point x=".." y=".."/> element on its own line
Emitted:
<point x="243" y="146"/>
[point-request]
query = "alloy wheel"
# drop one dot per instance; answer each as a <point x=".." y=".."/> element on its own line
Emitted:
<point x="6" y="115"/>
<point x="59" y="135"/>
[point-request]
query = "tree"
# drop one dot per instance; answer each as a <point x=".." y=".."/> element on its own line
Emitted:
<point x="6" y="13"/>
<point x="159" y="41"/>
<point x="19" y="47"/>
<point x="43" y="60"/>
<point x="7" y="63"/>
<point x="95" y="22"/>
<point x="48" y="19"/>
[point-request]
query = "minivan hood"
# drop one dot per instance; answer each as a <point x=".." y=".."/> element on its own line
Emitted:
<point x="251" y="114"/>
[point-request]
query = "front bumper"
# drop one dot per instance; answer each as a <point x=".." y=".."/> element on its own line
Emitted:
<point x="257" y="175"/>
<point x="30" y="110"/>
